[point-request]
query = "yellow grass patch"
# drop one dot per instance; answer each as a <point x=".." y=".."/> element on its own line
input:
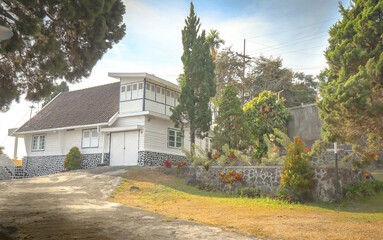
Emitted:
<point x="262" y="217"/>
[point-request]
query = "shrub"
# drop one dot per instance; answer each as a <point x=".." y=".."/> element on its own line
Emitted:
<point x="73" y="159"/>
<point x="230" y="177"/>
<point x="232" y="157"/>
<point x="363" y="189"/>
<point x="179" y="166"/>
<point x="167" y="164"/>
<point x="206" y="187"/>
<point x="297" y="176"/>
<point x="263" y="114"/>
<point x="200" y="156"/>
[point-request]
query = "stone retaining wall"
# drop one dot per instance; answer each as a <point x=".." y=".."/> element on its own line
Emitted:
<point x="149" y="158"/>
<point x="45" y="165"/>
<point x="268" y="178"/>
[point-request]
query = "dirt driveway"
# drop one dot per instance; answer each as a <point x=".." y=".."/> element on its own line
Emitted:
<point x="73" y="205"/>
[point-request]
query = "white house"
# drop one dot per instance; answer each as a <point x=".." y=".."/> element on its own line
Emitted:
<point x="122" y="123"/>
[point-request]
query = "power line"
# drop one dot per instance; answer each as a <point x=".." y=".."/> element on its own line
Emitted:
<point x="291" y="42"/>
<point x="292" y="29"/>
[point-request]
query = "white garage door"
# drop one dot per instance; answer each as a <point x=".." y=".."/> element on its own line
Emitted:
<point x="124" y="149"/>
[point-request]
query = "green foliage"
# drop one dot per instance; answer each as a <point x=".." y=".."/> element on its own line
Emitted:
<point x="320" y="146"/>
<point x="297" y="176"/>
<point x="263" y="114"/>
<point x="62" y="87"/>
<point x="351" y="88"/>
<point x="282" y="139"/>
<point x="249" y="192"/>
<point x="231" y="125"/>
<point x="232" y="157"/>
<point x="54" y="40"/>
<point x="273" y="158"/>
<point x="197" y="81"/>
<point x="1" y="150"/>
<point x="73" y="159"/>
<point x="268" y="74"/>
<point x="199" y="157"/>
<point x="263" y="74"/>
<point x="364" y="189"/>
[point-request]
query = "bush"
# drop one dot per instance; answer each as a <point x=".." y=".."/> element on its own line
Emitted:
<point x="73" y="159"/>
<point x="363" y="189"/>
<point x="232" y="157"/>
<point x="297" y="176"/>
<point x="206" y="187"/>
<point x="167" y="164"/>
<point x="263" y="114"/>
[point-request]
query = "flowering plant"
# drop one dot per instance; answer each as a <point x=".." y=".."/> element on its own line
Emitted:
<point x="167" y="164"/>
<point x="297" y="176"/>
<point x="230" y="177"/>
<point x="179" y="165"/>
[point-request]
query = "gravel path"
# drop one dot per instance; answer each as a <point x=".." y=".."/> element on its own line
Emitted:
<point x="73" y="205"/>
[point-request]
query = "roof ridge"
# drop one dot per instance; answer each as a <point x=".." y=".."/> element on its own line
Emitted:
<point x="89" y="88"/>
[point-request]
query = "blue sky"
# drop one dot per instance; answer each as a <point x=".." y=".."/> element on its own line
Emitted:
<point x="295" y="30"/>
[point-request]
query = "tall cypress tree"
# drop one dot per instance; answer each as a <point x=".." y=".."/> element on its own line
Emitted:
<point x="197" y="81"/>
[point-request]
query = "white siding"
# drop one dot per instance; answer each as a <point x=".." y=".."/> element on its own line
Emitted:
<point x="156" y="136"/>
<point x="60" y="142"/>
<point x="131" y="106"/>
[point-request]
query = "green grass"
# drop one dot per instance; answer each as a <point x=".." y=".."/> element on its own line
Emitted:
<point x="378" y="175"/>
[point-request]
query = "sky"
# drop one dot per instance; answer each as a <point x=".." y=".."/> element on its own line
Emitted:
<point x="295" y="30"/>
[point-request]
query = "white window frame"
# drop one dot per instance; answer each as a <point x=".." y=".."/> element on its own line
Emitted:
<point x="91" y="144"/>
<point x="38" y="147"/>
<point x="176" y="137"/>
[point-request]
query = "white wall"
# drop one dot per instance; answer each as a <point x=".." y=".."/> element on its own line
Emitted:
<point x="60" y="142"/>
<point x="156" y="136"/>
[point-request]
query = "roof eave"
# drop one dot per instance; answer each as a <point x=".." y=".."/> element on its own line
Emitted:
<point x="58" y="129"/>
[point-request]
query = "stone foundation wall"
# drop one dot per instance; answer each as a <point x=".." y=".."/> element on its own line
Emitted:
<point x="149" y="158"/>
<point x="45" y="165"/>
<point x="268" y="178"/>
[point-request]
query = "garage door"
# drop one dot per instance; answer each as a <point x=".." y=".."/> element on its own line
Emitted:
<point x="124" y="149"/>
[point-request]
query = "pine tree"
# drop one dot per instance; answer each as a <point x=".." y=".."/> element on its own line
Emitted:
<point x="51" y="40"/>
<point x="231" y="122"/>
<point x="197" y="81"/>
<point x="352" y="86"/>
<point x="62" y="87"/>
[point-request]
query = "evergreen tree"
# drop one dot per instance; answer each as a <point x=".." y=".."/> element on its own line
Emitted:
<point x="62" y="87"/>
<point x="197" y="81"/>
<point x="231" y="122"/>
<point x="53" y="39"/>
<point x="352" y="86"/>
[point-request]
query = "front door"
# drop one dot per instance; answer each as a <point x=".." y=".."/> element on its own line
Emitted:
<point x="124" y="149"/>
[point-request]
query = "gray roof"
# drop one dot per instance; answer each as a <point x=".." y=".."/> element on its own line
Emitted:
<point x="82" y="107"/>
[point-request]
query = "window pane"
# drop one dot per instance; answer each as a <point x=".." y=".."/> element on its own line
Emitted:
<point x="86" y="134"/>
<point x="94" y="138"/>
<point x="148" y="86"/>
<point x="134" y="87"/>
<point x="171" y="144"/>
<point x="35" y="141"/>
<point x="178" y="144"/>
<point x="140" y="86"/>
<point x="172" y="133"/>
<point x="162" y="91"/>
<point x="179" y="134"/>
<point x="172" y="94"/>
<point x="153" y="88"/>
<point x="42" y="143"/>
<point x="168" y="93"/>
<point x="158" y="90"/>
<point x="123" y="89"/>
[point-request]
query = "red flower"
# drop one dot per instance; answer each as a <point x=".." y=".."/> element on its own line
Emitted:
<point x="307" y="149"/>
<point x="300" y="141"/>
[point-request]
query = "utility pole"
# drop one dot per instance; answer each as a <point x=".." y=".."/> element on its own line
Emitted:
<point x="244" y="69"/>
<point x="30" y="115"/>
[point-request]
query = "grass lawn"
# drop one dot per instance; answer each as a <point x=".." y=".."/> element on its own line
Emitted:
<point x="170" y="196"/>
